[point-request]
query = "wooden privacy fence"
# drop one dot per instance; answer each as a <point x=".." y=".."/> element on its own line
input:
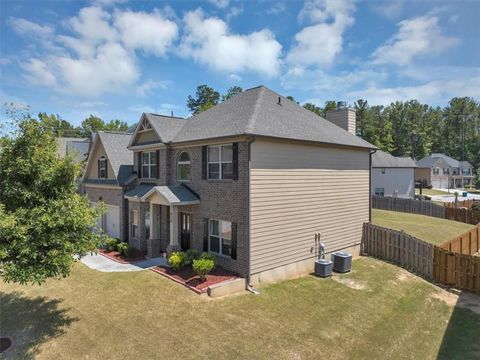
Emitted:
<point x="463" y="203"/>
<point x="399" y="248"/>
<point x="408" y="205"/>
<point x="452" y="263"/>
<point x="426" y="208"/>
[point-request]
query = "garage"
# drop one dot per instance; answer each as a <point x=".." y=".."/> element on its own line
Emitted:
<point x="112" y="221"/>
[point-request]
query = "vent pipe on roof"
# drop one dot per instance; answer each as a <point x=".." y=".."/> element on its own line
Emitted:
<point x="279" y="101"/>
<point x="171" y="113"/>
<point x="341" y="104"/>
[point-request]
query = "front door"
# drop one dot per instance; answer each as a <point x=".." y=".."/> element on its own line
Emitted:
<point x="185" y="226"/>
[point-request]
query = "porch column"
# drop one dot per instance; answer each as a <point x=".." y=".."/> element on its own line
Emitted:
<point x="173" y="245"/>
<point x="153" y="243"/>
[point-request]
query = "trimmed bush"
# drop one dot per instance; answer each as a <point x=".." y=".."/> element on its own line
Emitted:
<point x="202" y="267"/>
<point x="209" y="256"/>
<point x="121" y="247"/>
<point x="111" y="244"/>
<point x="191" y="255"/>
<point x="177" y="260"/>
<point x="129" y="251"/>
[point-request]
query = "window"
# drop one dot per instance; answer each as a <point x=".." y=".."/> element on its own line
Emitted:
<point x="183" y="167"/>
<point x="383" y="171"/>
<point x="220" y="237"/>
<point x="102" y="168"/>
<point x="134" y="222"/>
<point x="149" y="164"/>
<point x="220" y="162"/>
<point x="446" y="171"/>
<point x="379" y="191"/>
<point x="466" y="171"/>
<point x="147" y="224"/>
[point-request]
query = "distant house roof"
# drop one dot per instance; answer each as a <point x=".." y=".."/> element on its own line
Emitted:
<point x="385" y="160"/>
<point x="260" y="111"/>
<point x="78" y="147"/>
<point x="257" y="111"/>
<point x="430" y="160"/>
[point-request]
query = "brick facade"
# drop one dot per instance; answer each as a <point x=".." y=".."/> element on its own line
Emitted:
<point x="219" y="199"/>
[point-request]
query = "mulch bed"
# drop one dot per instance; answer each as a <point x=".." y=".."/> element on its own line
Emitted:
<point x="116" y="256"/>
<point x="187" y="277"/>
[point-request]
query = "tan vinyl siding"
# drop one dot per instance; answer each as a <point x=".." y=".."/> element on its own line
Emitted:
<point x="145" y="137"/>
<point x="97" y="152"/>
<point x="299" y="190"/>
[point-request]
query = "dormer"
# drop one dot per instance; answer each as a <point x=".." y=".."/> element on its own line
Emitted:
<point x="145" y="133"/>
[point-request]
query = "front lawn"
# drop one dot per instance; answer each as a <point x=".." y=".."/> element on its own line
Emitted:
<point x="432" y="192"/>
<point x="377" y="311"/>
<point x="431" y="229"/>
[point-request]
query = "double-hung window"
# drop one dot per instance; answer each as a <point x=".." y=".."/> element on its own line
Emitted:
<point x="220" y="237"/>
<point x="379" y="191"/>
<point x="149" y="164"/>
<point x="446" y="171"/>
<point x="220" y="162"/>
<point x="183" y="169"/>
<point x="102" y="168"/>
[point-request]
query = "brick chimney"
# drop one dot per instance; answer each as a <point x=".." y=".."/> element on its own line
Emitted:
<point x="343" y="116"/>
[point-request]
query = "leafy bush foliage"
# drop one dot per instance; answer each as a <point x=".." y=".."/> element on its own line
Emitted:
<point x="129" y="251"/>
<point x="209" y="256"/>
<point x="191" y="255"/>
<point x="177" y="260"/>
<point x="121" y="247"/>
<point x="202" y="267"/>
<point x="111" y="244"/>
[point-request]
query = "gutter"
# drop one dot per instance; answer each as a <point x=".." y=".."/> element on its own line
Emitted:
<point x="370" y="187"/>
<point x="249" y="275"/>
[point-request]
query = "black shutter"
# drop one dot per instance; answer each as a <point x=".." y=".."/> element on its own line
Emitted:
<point x="205" y="234"/>
<point x="106" y="169"/>
<point x="139" y="169"/>
<point x="98" y="169"/>
<point x="234" y="241"/>
<point x="235" y="160"/>
<point x="157" y="164"/>
<point x="204" y="162"/>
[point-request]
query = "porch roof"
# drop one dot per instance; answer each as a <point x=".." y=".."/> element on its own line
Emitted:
<point x="139" y="191"/>
<point x="171" y="195"/>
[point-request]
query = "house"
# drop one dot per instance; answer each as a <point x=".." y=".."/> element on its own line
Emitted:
<point x="78" y="147"/>
<point x="253" y="180"/>
<point x="393" y="176"/>
<point x="108" y="175"/>
<point x="441" y="171"/>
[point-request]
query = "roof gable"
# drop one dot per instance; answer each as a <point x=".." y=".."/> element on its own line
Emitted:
<point x="385" y="160"/>
<point x="153" y="128"/>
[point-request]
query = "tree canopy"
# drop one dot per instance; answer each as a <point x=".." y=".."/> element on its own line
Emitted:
<point x="44" y="223"/>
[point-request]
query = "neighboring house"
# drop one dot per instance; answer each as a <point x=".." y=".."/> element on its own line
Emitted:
<point x="108" y="174"/>
<point x="252" y="180"/>
<point x="78" y="147"/>
<point x="441" y="171"/>
<point x="393" y="176"/>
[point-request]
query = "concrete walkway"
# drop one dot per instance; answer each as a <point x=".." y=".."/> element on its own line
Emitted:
<point x="101" y="263"/>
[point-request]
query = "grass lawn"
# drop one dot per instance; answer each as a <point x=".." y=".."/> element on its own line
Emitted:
<point x="377" y="311"/>
<point x="431" y="229"/>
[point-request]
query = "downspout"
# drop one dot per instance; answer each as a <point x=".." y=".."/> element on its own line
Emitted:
<point x="249" y="275"/>
<point x="370" y="187"/>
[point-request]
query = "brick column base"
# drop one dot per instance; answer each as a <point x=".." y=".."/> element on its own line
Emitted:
<point x="173" y="248"/>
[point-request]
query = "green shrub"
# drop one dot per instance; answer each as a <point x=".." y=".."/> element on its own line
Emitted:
<point x="209" y="256"/>
<point x="121" y="247"/>
<point x="177" y="260"/>
<point x="191" y="255"/>
<point x="129" y="251"/>
<point x="111" y="244"/>
<point x="202" y="267"/>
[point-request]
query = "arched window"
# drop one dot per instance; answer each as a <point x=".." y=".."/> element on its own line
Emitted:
<point x="183" y="166"/>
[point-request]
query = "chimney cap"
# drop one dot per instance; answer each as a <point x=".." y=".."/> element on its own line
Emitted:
<point x="341" y="104"/>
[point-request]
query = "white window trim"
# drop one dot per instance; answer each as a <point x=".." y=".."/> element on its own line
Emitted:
<point x="183" y="163"/>
<point x="149" y="165"/>
<point x="219" y="162"/>
<point x="134" y="221"/>
<point x="219" y="237"/>
<point x="102" y="167"/>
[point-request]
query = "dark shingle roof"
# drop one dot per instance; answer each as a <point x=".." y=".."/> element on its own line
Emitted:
<point x="257" y="112"/>
<point x="140" y="190"/>
<point x="165" y="126"/>
<point x="79" y="147"/>
<point x="386" y="160"/>
<point x="430" y="160"/>
<point x="176" y="194"/>
<point x="120" y="158"/>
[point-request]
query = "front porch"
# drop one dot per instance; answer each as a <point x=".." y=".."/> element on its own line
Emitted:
<point x="169" y="224"/>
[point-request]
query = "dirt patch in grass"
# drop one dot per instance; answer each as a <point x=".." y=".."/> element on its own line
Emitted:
<point x="349" y="282"/>
<point x="465" y="300"/>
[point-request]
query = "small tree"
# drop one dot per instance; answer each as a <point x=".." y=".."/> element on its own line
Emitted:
<point x="205" y="98"/>
<point x="44" y="223"/>
<point x="234" y="90"/>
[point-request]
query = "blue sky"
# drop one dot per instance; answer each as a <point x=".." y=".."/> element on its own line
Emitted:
<point x="116" y="59"/>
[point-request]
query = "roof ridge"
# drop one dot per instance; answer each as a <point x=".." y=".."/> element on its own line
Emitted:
<point x="251" y="120"/>
<point x="167" y="116"/>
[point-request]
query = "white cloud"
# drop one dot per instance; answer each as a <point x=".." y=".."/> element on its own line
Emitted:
<point x="234" y="11"/>
<point x="277" y="8"/>
<point x="149" y="86"/>
<point x="390" y="9"/>
<point x="235" y="77"/>
<point x="321" y="42"/>
<point x="209" y="41"/>
<point x="221" y="4"/>
<point x="25" y="27"/>
<point x="93" y="25"/>
<point x="416" y="37"/>
<point x="150" y="32"/>
<point x="38" y="73"/>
